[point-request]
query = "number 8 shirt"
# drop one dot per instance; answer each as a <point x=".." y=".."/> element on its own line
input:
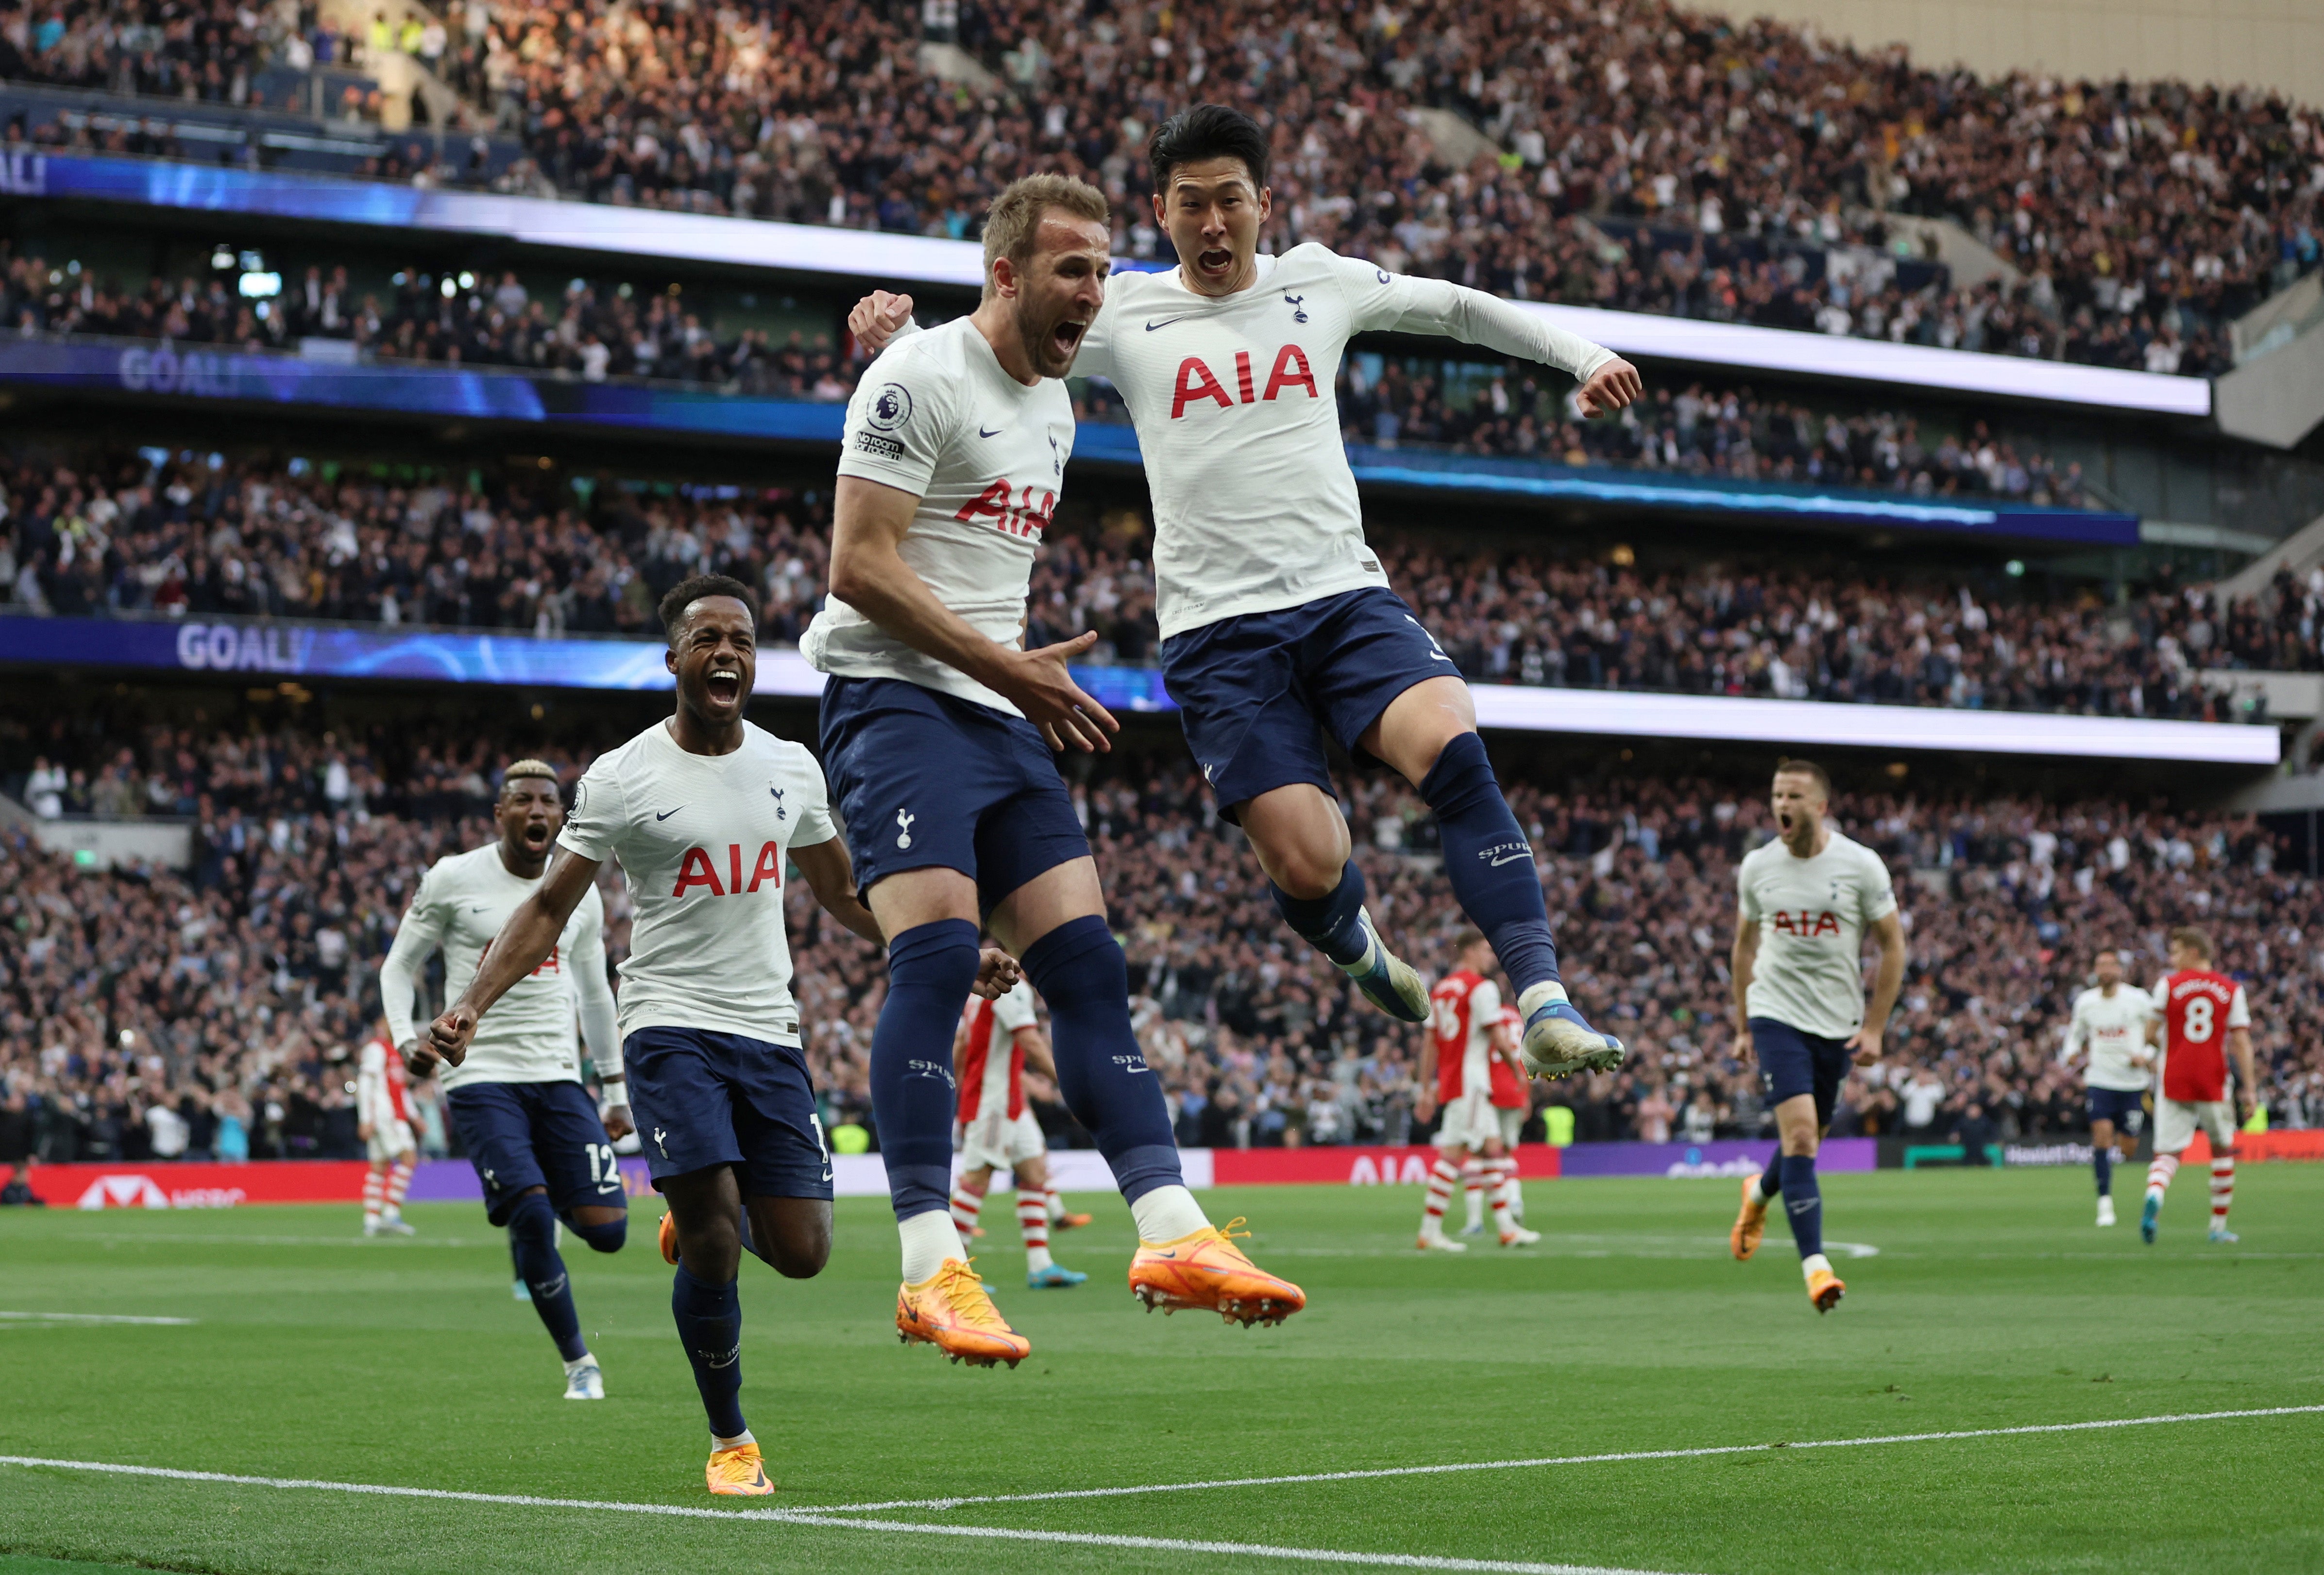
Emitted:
<point x="2198" y="1007"/>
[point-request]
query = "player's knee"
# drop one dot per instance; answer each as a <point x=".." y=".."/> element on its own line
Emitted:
<point x="532" y="1219"/>
<point x="1310" y="874"/>
<point x="1078" y="962"/>
<point x="801" y="1249"/>
<point x="605" y="1236"/>
<point x="941" y="955"/>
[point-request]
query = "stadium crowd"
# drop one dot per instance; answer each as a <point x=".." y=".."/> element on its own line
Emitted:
<point x="183" y="536"/>
<point x="1641" y="156"/>
<point x="213" y="1010"/>
<point x="600" y="329"/>
<point x="593" y="331"/>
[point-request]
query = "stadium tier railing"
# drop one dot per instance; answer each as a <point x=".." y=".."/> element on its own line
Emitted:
<point x="857" y="258"/>
<point x="159" y="368"/>
<point x="286" y="648"/>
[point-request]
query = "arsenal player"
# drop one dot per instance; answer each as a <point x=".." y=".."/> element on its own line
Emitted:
<point x="2204" y="1018"/>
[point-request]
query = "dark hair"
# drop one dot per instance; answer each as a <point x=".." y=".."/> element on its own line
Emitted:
<point x="1207" y="131"/>
<point x="687" y="591"/>
<point x="1809" y="769"/>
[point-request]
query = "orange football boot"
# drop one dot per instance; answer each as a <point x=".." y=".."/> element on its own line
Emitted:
<point x="1207" y="1269"/>
<point x="1825" y="1289"/>
<point x="1750" y="1225"/>
<point x="952" y="1311"/>
<point x="739" y="1473"/>
<point x="1069" y="1222"/>
<point x="666" y="1236"/>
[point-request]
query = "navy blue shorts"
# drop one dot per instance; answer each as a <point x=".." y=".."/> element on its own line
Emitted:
<point x="1792" y="1063"/>
<point x="521" y="1135"/>
<point x="2125" y="1107"/>
<point x="703" y="1098"/>
<point x="927" y="779"/>
<point x="1256" y="694"/>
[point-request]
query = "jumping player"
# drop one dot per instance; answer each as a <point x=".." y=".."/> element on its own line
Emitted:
<point x="706" y="814"/>
<point x="1278" y="623"/>
<point x="383" y="1123"/>
<point x="1805" y="900"/>
<point x="997" y="1040"/>
<point x="539" y="1146"/>
<point x="2108" y="1033"/>
<point x="2196" y="1010"/>
<point x="939" y="730"/>
<point x="1464" y="1043"/>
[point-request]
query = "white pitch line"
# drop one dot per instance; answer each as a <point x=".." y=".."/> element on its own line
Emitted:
<point x="809" y="1517"/>
<point x="84" y="1318"/>
<point x="1694" y="1454"/>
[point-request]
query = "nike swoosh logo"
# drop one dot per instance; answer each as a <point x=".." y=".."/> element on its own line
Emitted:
<point x="1166" y="321"/>
<point x="1508" y="858"/>
<point x="665" y="814"/>
<point x="993" y="433"/>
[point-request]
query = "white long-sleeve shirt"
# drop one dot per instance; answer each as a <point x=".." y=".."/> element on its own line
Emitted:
<point x="1235" y="400"/>
<point x="528" y="1036"/>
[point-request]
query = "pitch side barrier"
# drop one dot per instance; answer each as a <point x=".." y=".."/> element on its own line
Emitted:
<point x="279" y="648"/>
<point x="849" y="259"/>
<point x="166" y="1184"/>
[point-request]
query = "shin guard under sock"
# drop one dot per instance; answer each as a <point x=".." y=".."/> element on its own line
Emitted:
<point x="1080" y="971"/>
<point x="1489" y="862"/>
<point x="930" y="968"/>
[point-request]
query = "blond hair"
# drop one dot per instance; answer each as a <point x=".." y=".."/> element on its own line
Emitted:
<point x="524" y="768"/>
<point x="1016" y="215"/>
<point x="2194" y="940"/>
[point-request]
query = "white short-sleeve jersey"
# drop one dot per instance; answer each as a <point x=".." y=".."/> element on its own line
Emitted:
<point x="528" y="1036"/>
<point x="1812" y="913"/>
<point x="993" y="1067"/>
<point x="936" y="417"/>
<point x="703" y="841"/>
<point x="2110" y="1030"/>
<point x="1238" y="417"/>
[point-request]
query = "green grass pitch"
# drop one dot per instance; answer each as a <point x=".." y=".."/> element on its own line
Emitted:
<point x="1992" y="1302"/>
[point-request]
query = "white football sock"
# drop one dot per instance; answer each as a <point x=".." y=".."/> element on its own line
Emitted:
<point x="1759" y="1189"/>
<point x="584" y="1360"/>
<point x="1812" y="1263"/>
<point x="1167" y="1213"/>
<point x="736" y="1442"/>
<point x="1037" y="1258"/>
<point x="929" y="1240"/>
<point x="1538" y="997"/>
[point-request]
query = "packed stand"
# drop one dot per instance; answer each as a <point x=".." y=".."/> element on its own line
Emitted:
<point x="213" y="1010"/>
<point x="1645" y="157"/>
<point x="592" y="331"/>
<point x="197" y="536"/>
<point x="165" y="49"/>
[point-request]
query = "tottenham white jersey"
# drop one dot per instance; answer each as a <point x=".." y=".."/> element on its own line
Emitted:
<point x="935" y="416"/>
<point x="528" y="1035"/>
<point x="1238" y="417"/>
<point x="1812" y="913"/>
<point x="2110" y="1030"/>
<point x="703" y="841"/>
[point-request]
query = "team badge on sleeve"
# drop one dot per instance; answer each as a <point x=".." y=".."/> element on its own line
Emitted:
<point x="891" y="407"/>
